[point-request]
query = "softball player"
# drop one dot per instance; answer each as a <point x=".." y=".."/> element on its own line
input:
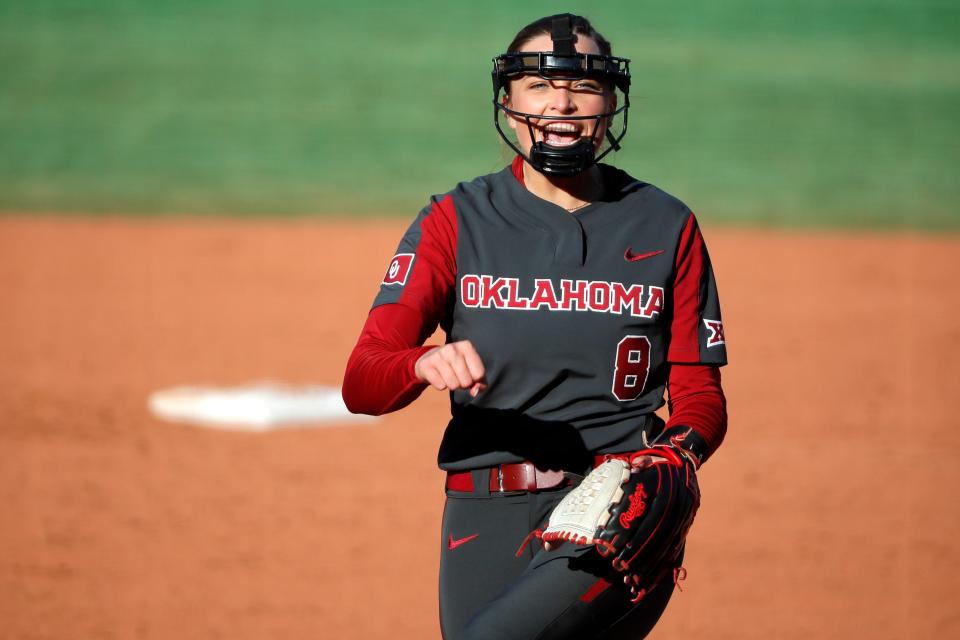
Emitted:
<point x="572" y="296"/>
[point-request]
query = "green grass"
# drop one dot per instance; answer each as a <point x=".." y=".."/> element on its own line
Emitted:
<point x="776" y="112"/>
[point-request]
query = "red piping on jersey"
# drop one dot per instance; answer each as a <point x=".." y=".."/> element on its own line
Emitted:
<point x="380" y="372"/>
<point x="689" y="265"/>
<point x="595" y="589"/>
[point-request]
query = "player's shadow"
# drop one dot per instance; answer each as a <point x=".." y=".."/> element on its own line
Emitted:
<point x="476" y="431"/>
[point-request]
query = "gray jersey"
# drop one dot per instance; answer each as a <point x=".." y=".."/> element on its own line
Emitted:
<point x="577" y="317"/>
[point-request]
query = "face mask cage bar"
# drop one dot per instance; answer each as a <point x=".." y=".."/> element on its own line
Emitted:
<point x="563" y="161"/>
<point x="562" y="67"/>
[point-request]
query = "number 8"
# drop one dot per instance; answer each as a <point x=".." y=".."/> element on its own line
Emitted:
<point x="631" y="368"/>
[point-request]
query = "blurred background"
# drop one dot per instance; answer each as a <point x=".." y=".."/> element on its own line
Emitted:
<point x="208" y="192"/>
<point x="799" y="112"/>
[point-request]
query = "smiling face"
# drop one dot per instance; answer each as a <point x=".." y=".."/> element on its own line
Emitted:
<point x="557" y="97"/>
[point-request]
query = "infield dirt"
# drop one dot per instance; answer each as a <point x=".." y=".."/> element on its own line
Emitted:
<point x="829" y="512"/>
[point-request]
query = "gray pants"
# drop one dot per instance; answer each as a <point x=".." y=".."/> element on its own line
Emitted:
<point x="487" y="593"/>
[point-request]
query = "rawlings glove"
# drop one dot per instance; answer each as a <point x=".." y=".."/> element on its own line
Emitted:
<point x="636" y="511"/>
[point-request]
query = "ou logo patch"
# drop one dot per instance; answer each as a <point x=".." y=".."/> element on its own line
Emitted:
<point x="398" y="270"/>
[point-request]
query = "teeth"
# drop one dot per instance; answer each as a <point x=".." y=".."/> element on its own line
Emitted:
<point x="555" y="134"/>
<point x="562" y="127"/>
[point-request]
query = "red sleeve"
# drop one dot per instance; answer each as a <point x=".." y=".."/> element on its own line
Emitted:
<point x="379" y="377"/>
<point x="696" y="327"/>
<point x="697" y="401"/>
<point x="684" y="343"/>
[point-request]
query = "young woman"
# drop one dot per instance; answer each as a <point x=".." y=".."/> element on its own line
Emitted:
<point x="572" y="296"/>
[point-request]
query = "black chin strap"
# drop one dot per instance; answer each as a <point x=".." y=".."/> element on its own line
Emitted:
<point x="561" y="32"/>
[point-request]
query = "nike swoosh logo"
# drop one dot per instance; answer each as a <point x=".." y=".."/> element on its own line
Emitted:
<point x="630" y="256"/>
<point x="453" y="544"/>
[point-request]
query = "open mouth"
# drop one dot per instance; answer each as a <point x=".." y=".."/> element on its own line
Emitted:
<point x="561" y="134"/>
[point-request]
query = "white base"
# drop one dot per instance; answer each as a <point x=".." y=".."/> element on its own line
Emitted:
<point x="262" y="406"/>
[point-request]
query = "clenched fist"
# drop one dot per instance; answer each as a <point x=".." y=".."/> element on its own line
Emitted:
<point x="456" y="365"/>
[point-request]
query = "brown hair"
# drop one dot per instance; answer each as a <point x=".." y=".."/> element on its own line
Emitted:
<point x="581" y="26"/>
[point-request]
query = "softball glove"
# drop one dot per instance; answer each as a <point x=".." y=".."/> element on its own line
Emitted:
<point x="636" y="511"/>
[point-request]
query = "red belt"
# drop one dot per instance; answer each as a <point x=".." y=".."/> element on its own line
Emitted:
<point x="521" y="476"/>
